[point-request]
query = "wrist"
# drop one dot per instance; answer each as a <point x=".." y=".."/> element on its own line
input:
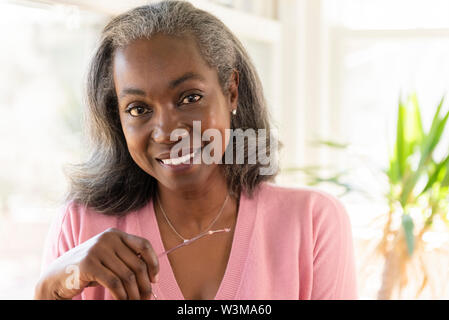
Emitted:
<point x="45" y="290"/>
<point x="41" y="290"/>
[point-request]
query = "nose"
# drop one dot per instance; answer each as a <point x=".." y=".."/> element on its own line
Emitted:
<point x="166" y="122"/>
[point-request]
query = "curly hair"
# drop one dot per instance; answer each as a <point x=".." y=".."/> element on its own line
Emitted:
<point x="109" y="181"/>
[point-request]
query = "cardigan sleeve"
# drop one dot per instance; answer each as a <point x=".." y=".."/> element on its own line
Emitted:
<point x="60" y="238"/>
<point x="334" y="271"/>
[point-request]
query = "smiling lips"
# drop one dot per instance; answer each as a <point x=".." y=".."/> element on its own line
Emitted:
<point x="180" y="160"/>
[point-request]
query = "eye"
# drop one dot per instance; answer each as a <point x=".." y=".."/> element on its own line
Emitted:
<point x="191" y="98"/>
<point x="137" y="111"/>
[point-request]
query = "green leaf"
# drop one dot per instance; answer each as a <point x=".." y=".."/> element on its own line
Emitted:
<point x="440" y="174"/>
<point x="330" y="143"/>
<point x="407" y="224"/>
<point x="417" y="127"/>
<point x="393" y="171"/>
<point x="445" y="179"/>
<point x="427" y="147"/>
<point x="400" y="140"/>
<point x="409" y="136"/>
<point x="436" y="129"/>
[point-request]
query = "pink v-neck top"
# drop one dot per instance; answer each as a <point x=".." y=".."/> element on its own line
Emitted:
<point x="289" y="243"/>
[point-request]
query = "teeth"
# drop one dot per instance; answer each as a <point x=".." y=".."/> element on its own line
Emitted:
<point x="177" y="161"/>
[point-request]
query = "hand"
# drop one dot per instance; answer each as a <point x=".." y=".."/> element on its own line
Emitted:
<point x="123" y="263"/>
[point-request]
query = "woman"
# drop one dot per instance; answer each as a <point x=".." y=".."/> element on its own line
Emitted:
<point x="144" y="219"/>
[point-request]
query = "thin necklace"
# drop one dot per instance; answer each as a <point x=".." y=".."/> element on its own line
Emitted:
<point x="202" y="232"/>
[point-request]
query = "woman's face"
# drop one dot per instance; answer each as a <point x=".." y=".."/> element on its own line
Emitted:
<point x="164" y="84"/>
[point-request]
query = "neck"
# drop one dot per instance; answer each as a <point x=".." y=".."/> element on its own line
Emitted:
<point x="191" y="211"/>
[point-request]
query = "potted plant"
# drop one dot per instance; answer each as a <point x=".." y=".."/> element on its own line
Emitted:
<point x="417" y="196"/>
<point x="418" y="183"/>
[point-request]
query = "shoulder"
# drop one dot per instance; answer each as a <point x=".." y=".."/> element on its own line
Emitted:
<point x="79" y="222"/>
<point x="78" y="214"/>
<point x="309" y="204"/>
<point x="312" y="198"/>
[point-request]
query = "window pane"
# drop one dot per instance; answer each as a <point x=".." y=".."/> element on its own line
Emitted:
<point x="388" y="14"/>
<point x="43" y="60"/>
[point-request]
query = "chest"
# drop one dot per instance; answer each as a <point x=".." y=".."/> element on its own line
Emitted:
<point x="199" y="267"/>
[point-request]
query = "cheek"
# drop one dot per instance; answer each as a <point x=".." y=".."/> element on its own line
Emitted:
<point x="136" y="141"/>
<point x="218" y="116"/>
<point x="221" y="123"/>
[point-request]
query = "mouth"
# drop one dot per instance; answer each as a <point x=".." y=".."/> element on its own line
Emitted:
<point x="180" y="161"/>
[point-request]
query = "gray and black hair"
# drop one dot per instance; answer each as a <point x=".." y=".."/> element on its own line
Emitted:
<point x="110" y="181"/>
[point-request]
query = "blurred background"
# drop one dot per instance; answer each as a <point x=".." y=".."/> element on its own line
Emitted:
<point x="355" y="89"/>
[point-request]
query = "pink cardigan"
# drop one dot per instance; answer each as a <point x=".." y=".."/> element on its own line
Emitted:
<point x="289" y="243"/>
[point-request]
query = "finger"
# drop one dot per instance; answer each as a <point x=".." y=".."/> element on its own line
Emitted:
<point x="106" y="278"/>
<point x="126" y="275"/>
<point x="92" y="284"/>
<point x="144" y="249"/>
<point x="139" y="267"/>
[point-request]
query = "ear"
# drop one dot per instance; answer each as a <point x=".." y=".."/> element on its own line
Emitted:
<point x="233" y="90"/>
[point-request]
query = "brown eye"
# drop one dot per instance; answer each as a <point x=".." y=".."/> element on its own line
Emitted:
<point x="137" y="111"/>
<point x="191" y="98"/>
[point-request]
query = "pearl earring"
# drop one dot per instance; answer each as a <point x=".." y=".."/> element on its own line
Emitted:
<point x="234" y="112"/>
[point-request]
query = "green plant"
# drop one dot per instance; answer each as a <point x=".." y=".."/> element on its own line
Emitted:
<point x="314" y="175"/>
<point x="416" y="182"/>
<point x="417" y="196"/>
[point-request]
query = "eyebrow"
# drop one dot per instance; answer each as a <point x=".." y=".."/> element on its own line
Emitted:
<point x="173" y="84"/>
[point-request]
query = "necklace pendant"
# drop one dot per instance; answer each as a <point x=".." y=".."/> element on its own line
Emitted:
<point x="185" y="240"/>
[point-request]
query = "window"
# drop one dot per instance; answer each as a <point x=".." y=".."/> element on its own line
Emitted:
<point x="44" y="53"/>
<point x="378" y="50"/>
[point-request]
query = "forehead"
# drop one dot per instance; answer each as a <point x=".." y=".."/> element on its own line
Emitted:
<point x="157" y="61"/>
